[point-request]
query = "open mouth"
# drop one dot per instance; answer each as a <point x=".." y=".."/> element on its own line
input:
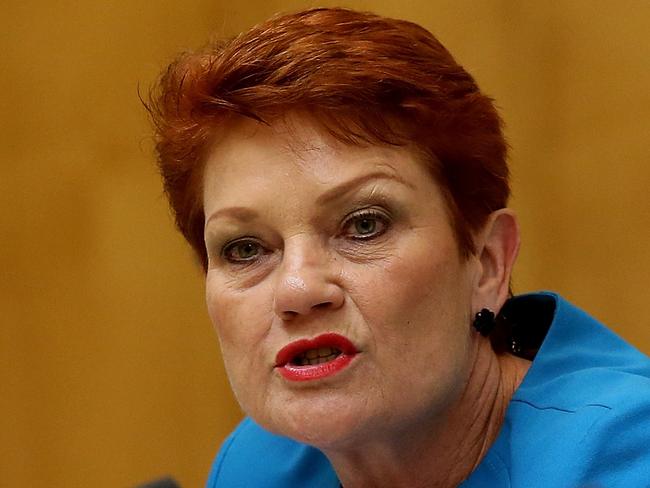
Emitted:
<point x="310" y="359"/>
<point x="316" y="356"/>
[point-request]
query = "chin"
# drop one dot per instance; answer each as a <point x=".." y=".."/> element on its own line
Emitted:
<point x="322" y="419"/>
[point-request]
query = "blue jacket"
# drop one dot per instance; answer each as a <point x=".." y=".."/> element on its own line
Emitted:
<point x="580" y="418"/>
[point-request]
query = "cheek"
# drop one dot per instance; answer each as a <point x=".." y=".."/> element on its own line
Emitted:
<point x="423" y="281"/>
<point x="239" y="317"/>
<point x="242" y="321"/>
<point x="419" y="312"/>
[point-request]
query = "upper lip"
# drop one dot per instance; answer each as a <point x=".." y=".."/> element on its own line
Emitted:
<point x="331" y="339"/>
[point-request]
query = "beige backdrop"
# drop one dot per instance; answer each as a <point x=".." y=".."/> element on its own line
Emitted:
<point x="110" y="372"/>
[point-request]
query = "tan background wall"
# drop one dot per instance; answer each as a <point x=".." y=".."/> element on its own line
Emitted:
<point x="110" y="372"/>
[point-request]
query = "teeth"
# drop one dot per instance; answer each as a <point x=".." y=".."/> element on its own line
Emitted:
<point x="316" y="356"/>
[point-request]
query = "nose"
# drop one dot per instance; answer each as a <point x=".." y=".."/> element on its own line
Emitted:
<point x="307" y="281"/>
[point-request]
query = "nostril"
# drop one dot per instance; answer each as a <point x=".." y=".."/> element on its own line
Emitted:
<point x="288" y="314"/>
<point x="316" y="294"/>
<point x="291" y="314"/>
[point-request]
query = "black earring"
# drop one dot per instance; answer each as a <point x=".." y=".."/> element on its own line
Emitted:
<point x="484" y="321"/>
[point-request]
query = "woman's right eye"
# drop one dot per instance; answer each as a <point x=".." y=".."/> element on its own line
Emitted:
<point x="242" y="251"/>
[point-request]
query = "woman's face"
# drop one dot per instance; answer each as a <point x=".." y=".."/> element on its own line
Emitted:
<point x="352" y="246"/>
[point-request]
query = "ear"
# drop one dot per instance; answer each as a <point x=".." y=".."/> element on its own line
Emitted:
<point x="496" y="249"/>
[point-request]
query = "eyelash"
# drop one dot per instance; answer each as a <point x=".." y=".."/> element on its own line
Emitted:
<point x="233" y="245"/>
<point x="364" y="214"/>
<point x="368" y="214"/>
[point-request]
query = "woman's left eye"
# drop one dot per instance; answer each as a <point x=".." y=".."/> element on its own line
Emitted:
<point x="365" y="224"/>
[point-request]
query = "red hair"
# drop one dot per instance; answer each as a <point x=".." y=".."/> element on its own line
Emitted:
<point x="366" y="79"/>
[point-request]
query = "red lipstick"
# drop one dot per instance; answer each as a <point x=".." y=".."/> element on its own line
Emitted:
<point x="312" y="359"/>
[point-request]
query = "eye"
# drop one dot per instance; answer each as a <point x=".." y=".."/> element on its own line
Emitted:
<point x="242" y="251"/>
<point x="366" y="224"/>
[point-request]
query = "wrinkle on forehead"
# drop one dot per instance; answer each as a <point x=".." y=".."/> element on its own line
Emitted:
<point x="312" y="147"/>
<point x="307" y="140"/>
<point x="298" y="146"/>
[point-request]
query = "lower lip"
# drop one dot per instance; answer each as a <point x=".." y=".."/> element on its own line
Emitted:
<point x="293" y="372"/>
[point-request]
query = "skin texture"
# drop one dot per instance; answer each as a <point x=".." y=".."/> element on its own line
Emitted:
<point x="306" y="236"/>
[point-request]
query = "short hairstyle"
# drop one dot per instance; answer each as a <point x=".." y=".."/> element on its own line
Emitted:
<point x="366" y="79"/>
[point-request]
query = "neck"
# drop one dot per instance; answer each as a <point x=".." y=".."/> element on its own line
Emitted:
<point x="440" y="452"/>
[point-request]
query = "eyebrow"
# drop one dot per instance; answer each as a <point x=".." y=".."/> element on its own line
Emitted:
<point x="352" y="184"/>
<point x="246" y="214"/>
<point x="243" y="214"/>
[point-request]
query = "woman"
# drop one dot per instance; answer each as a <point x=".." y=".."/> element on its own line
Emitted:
<point x="343" y="181"/>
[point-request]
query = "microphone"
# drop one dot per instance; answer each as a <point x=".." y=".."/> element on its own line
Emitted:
<point x="167" y="482"/>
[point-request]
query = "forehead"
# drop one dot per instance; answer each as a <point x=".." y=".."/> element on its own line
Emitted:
<point x="297" y="151"/>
